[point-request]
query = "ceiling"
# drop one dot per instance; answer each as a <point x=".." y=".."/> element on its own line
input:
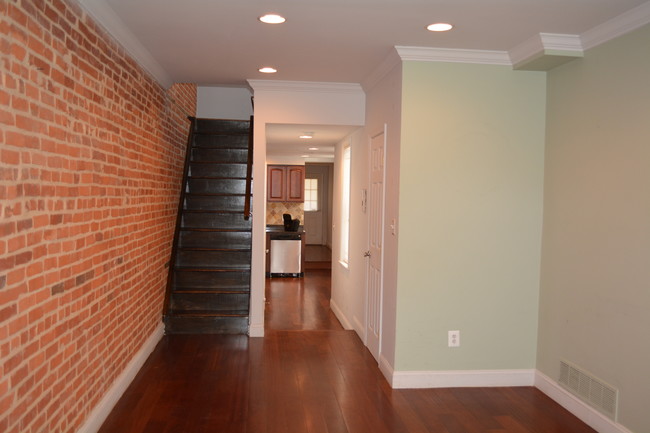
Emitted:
<point x="221" y="42"/>
<point x="283" y="140"/>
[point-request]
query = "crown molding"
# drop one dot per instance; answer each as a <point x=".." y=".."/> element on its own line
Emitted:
<point x="545" y="51"/>
<point x="423" y="54"/>
<point x="102" y="13"/>
<point x="618" y="26"/>
<point x="304" y="86"/>
<point x="391" y="61"/>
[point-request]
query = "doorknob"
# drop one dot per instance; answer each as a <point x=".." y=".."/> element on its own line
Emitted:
<point x="366" y="254"/>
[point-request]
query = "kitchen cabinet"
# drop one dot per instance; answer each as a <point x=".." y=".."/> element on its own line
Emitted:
<point x="285" y="183"/>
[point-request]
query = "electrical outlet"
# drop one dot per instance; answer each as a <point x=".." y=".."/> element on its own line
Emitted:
<point x="453" y="339"/>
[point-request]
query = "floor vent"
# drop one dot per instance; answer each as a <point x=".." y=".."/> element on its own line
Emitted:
<point x="591" y="390"/>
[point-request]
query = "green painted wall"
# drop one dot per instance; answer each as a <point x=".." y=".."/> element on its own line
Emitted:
<point x="595" y="285"/>
<point x="470" y="194"/>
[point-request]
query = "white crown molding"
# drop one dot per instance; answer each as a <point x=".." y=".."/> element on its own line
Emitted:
<point x="108" y="401"/>
<point x="618" y="26"/>
<point x="305" y="86"/>
<point x="391" y="61"/>
<point x="423" y="54"/>
<point x="577" y="407"/>
<point x="102" y="13"/>
<point x="461" y="378"/>
<point x="539" y="45"/>
<point x="561" y="42"/>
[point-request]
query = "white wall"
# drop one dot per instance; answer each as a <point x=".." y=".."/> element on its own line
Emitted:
<point x="223" y="103"/>
<point x="290" y="103"/>
<point x="384" y="113"/>
<point x="349" y="282"/>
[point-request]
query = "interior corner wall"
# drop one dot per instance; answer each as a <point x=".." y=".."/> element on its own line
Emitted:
<point x="595" y="277"/>
<point x="383" y="114"/>
<point x="214" y="102"/>
<point x="470" y="204"/>
<point x="91" y="157"/>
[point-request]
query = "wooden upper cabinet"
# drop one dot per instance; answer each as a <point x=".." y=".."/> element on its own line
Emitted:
<point x="295" y="183"/>
<point x="285" y="183"/>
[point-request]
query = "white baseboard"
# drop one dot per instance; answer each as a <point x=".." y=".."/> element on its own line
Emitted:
<point x="105" y="406"/>
<point x="256" y="330"/>
<point x="339" y="315"/>
<point x="461" y="378"/>
<point x="577" y="407"/>
<point x="387" y="370"/>
<point x="357" y="326"/>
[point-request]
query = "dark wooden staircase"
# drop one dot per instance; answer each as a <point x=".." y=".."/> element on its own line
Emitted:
<point x="208" y="290"/>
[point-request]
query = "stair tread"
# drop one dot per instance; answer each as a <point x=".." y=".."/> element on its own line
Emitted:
<point x="217" y="177"/>
<point x="212" y="268"/>
<point x="207" y="313"/>
<point x="214" y="194"/>
<point x="204" y="291"/>
<point x="225" y="249"/>
<point x="233" y="230"/>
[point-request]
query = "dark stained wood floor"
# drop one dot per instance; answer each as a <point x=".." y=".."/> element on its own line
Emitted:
<point x="309" y="375"/>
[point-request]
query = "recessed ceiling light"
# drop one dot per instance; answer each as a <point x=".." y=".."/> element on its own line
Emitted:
<point x="306" y="136"/>
<point x="439" y="27"/>
<point x="313" y="148"/>
<point x="305" y="156"/>
<point x="272" y="19"/>
<point x="268" y="70"/>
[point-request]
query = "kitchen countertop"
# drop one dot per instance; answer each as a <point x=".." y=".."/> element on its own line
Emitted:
<point x="279" y="228"/>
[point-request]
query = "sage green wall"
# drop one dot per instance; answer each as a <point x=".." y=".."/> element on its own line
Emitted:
<point x="470" y="193"/>
<point x="595" y="285"/>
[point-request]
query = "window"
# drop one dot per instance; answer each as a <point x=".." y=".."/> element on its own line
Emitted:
<point x="311" y="195"/>
<point x="345" y="208"/>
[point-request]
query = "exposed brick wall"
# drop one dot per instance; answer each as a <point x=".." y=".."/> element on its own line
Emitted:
<point x="91" y="150"/>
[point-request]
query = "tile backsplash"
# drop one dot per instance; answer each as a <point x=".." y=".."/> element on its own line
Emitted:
<point x="275" y="209"/>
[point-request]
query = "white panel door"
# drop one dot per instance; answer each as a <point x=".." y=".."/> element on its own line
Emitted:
<point x="375" y="241"/>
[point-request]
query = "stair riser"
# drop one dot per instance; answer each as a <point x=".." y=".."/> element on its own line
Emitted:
<point x="235" y="203"/>
<point x="216" y="126"/>
<point x="235" y="240"/>
<point x="218" y="302"/>
<point x="236" y="280"/>
<point x="219" y="155"/>
<point x="213" y="140"/>
<point x="215" y="221"/>
<point x="206" y="325"/>
<point x="218" y="170"/>
<point x="214" y="259"/>
<point x="216" y="186"/>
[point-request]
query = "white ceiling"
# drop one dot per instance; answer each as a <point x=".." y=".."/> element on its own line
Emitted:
<point x="221" y="42"/>
<point x="283" y="140"/>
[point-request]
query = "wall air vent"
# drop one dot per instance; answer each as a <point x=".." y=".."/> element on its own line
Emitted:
<point x="588" y="388"/>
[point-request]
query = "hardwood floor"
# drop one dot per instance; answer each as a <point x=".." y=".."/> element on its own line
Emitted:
<point x="309" y="375"/>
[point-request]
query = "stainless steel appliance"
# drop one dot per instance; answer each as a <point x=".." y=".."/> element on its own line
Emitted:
<point x="286" y="254"/>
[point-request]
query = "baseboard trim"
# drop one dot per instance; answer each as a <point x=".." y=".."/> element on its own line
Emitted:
<point x="339" y="315"/>
<point x="99" y="414"/>
<point x="387" y="370"/>
<point x="577" y="407"/>
<point x="461" y="378"/>
<point x="256" y="330"/>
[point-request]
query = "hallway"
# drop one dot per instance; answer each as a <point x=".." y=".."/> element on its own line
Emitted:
<point x="309" y="375"/>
